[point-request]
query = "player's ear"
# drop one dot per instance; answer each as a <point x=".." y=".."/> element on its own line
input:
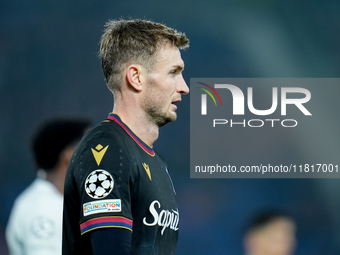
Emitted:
<point x="134" y="76"/>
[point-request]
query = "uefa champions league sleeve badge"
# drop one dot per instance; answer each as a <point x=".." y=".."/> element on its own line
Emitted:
<point x="99" y="184"/>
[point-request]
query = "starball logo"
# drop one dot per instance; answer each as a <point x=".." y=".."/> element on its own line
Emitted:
<point x="238" y="104"/>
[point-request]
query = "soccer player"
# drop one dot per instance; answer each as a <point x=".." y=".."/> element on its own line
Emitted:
<point x="119" y="197"/>
<point x="35" y="223"/>
<point x="271" y="233"/>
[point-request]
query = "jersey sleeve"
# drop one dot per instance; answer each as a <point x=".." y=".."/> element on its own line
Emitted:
<point x="103" y="240"/>
<point x="105" y="176"/>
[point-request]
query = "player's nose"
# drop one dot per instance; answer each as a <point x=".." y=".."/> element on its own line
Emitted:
<point x="182" y="86"/>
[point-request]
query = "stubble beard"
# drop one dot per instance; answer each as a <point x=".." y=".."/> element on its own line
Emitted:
<point x="154" y="109"/>
<point x="156" y="115"/>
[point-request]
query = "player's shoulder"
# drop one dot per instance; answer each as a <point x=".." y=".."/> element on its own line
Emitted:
<point x="38" y="188"/>
<point x="39" y="194"/>
<point x="105" y="129"/>
<point x="106" y="132"/>
<point x="106" y="147"/>
<point x="24" y="197"/>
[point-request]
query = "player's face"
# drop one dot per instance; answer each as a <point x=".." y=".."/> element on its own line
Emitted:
<point x="165" y="86"/>
<point x="277" y="238"/>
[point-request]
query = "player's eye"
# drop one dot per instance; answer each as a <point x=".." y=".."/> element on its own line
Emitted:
<point x="175" y="72"/>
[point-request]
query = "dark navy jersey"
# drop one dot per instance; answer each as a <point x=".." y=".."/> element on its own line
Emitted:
<point x="115" y="180"/>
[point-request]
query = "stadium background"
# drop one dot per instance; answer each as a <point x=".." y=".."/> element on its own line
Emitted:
<point x="49" y="66"/>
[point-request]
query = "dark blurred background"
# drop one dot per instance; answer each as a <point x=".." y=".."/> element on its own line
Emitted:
<point x="49" y="66"/>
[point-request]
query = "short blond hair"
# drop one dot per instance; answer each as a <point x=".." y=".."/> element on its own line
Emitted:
<point x="134" y="41"/>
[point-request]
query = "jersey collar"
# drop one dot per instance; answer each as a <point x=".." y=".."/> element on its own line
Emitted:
<point x="140" y="142"/>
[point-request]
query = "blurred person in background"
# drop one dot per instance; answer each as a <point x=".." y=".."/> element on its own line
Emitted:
<point x="35" y="223"/>
<point x="271" y="233"/>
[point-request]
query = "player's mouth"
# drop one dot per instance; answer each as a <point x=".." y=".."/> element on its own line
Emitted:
<point x="173" y="103"/>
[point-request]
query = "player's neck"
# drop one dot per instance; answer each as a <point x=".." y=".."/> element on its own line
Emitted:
<point x="138" y="123"/>
<point x="55" y="177"/>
